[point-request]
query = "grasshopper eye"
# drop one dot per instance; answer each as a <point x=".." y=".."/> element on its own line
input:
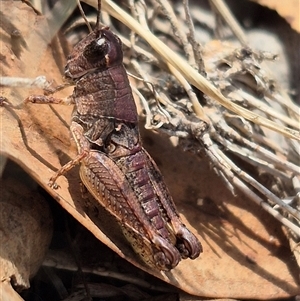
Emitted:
<point x="96" y="50"/>
<point x="100" y="41"/>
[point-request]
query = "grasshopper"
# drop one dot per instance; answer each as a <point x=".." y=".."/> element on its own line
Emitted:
<point x="114" y="166"/>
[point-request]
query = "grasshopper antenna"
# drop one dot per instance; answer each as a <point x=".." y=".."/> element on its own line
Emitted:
<point x="84" y="16"/>
<point x="98" y="15"/>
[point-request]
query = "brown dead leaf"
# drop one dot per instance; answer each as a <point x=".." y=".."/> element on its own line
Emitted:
<point x="289" y="9"/>
<point x="25" y="229"/>
<point x="245" y="253"/>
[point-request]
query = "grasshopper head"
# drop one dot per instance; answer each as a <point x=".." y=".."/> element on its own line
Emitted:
<point x="100" y="50"/>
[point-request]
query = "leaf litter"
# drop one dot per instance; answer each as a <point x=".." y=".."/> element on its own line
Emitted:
<point x="245" y="248"/>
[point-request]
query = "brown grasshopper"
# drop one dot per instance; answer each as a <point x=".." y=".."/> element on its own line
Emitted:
<point x="114" y="166"/>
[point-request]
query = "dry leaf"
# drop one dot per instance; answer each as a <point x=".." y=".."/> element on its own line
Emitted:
<point x="25" y="230"/>
<point x="245" y="253"/>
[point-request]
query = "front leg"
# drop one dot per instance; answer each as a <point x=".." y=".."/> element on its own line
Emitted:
<point x="83" y="147"/>
<point x="43" y="99"/>
<point x="46" y="99"/>
<point x="82" y="143"/>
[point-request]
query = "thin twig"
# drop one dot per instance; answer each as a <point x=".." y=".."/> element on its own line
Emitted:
<point x="224" y="11"/>
<point x="169" y="12"/>
<point x="195" y="45"/>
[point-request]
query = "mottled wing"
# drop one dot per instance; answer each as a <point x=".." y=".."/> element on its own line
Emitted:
<point x="109" y="186"/>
